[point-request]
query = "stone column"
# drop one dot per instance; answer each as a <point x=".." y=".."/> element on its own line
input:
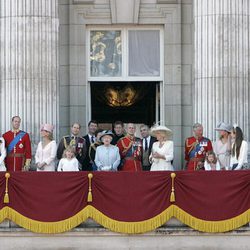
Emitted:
<point x="29" y="63"/>
<point x="221" y="84"/>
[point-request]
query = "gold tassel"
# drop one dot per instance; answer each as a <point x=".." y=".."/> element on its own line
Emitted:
<point x="6" y="196"/>
<point x="172" y="196"/>
<point x="90" y="198"/>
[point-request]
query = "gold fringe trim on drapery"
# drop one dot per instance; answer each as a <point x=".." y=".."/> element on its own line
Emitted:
<point x="125" y="227"/>
<point x="45" y="227"/>
<point x="211" y="226"/>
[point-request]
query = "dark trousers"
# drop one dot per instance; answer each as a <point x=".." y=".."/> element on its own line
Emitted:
<point x="146" y="168"/>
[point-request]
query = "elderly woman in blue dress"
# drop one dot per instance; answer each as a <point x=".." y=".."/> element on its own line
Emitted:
<point x="107" y="157"/>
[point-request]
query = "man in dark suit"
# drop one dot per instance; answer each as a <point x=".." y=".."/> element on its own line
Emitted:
<point x="74" y="140"/>
<point x="147" y="143"/>
<point x="89" y="138"/>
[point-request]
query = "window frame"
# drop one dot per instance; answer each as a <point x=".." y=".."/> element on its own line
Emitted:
<point x="125" y="55"/>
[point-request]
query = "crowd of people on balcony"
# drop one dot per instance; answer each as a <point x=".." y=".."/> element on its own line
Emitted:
<point x="121" y="150"/>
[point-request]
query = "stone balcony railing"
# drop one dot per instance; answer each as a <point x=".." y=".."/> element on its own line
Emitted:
<point x="173" y="225"/>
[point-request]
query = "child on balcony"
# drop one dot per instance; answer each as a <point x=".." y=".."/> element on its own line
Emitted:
<point x="211" y="162"/>
<point x="68" y="161"/>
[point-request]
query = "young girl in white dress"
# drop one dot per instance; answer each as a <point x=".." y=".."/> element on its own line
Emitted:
<point x="69" y="161"/>
<point x="162" y="153"/>
<point x="211" y="162"/>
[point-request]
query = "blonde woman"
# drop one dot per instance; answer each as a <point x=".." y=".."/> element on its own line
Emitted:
<point x="162" y="153"/>
<point x="46" y="151"/>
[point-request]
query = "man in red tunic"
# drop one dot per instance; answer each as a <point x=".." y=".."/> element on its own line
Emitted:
<point x="196" y="148"/>
<point x="18" y="147"/>
<point x="130" y="148"/>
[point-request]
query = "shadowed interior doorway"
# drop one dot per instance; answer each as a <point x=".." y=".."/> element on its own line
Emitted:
<point x="125" y="101"/>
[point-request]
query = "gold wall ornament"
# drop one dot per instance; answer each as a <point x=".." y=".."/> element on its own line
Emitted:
<point x="124" y="97"/>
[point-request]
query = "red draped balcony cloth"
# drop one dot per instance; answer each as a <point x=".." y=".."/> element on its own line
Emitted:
<point x="51" y="202"/>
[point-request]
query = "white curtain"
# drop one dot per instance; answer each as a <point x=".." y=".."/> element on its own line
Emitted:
<point x="144" y="53"/>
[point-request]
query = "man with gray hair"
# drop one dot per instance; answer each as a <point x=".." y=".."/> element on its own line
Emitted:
<point x="196" y="148"/>
<point x="130" y="148"/>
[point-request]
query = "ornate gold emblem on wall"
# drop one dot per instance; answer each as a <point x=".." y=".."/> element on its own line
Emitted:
<point x="118" y="96"/>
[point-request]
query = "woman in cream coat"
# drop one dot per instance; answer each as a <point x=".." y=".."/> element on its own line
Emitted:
<point x="162" y="153"/>
<point x="3" y="154"/>
<point x="46" y="151"/>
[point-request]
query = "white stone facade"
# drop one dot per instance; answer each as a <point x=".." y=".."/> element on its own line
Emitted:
<point x="44" y="61"/>
<point x="222" y="63"/>
<point x="29" y="64"/>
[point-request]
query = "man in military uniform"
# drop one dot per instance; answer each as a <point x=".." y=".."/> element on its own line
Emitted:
<point x="18" y="147"/>
<point x="130" y="148"/>
<point x="74" y="140"/>
<point x="196" y="148"/>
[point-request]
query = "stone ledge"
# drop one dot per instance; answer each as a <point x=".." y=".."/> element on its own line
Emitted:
<point x="90" y="227"/>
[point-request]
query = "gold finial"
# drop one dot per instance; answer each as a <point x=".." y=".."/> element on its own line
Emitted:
<point x="90" y="197"/>
<point x="6" y="196"/>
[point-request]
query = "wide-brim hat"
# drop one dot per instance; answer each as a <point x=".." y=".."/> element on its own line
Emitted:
<point x="47" y="127"/>
<point x="106" y="132"/>
<point x="168" y="132"/>
<point x="224" y="127"/>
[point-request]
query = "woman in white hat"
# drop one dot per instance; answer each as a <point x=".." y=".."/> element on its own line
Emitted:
<point x="163" y="150"/>
<point x="46" y="150"/>
<point x="222" y="146"/>
<point x="107" y="157"/>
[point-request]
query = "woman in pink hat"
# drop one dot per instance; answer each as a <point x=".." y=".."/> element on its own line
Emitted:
<point x="46" y="150"/>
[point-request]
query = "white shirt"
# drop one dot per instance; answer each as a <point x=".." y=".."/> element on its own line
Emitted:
<point x="68" y="165"/>
<point x="3" y="154"/>
<point x="242" y="156"/>
<point x="90" y="137"/>
<point x="148" y="141"/>
<point x="46" y="155"/>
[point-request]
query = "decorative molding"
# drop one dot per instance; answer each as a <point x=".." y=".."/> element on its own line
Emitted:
<point x="145" y="13"/>
<point x="124" y="11"/>
<point x="83" y="1"/>
<point x="167" y="1"/>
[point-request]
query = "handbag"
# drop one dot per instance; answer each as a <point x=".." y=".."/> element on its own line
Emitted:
<point x="234" y="166"/>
